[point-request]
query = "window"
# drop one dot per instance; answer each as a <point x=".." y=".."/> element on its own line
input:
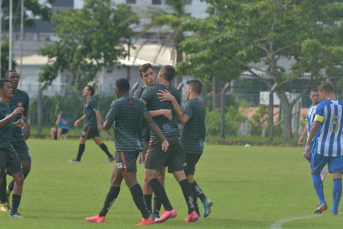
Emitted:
<point x="156" y="2"/>
<point x="131" y="1"/>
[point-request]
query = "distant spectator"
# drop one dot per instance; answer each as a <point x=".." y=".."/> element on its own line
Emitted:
<point x="63" y="122"/>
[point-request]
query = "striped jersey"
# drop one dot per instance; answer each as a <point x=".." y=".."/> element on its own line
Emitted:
<point x="310" y="118"/>
<point x="329" y="135"/>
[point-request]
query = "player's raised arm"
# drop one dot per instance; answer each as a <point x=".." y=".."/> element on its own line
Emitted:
<point x="156" y="130"/>
<point x="4" y="121"/>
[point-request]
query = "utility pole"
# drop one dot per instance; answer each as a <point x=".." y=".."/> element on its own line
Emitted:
<point x="222" y="108"/>
<point x="271" y="112"/>
<point x="10" y="32"/>
<point x="21" y="38"/>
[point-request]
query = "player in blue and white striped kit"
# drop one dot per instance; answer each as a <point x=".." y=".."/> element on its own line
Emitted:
<point x="326" y="131"/>
<point x="314" y="96"/>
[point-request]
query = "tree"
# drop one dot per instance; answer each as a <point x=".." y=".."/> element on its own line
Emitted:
<point x="35" y="7"/>
<point x="255" y="35"/>
<point x="92" y="39"/>
<point x="4" y="58"/>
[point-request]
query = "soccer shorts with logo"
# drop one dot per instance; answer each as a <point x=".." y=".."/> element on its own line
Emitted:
<point x="126" y="161"/>
<point x="9" y="162"/>
<point x="335" y="164"/>
<point x="191" y="160"/>
<point x="174" y="158"/>
<point x="22" y="151"/>
<point x="90" y="132"/>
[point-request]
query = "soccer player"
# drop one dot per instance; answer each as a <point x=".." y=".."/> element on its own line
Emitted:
<point x="19" y="135"/>
<point x="148" y="77"/>
<point x="126" y="114"/>
<point x="193" y="133"/>
<point x="63" y="122"/>
<point x="174" y="158"/>
<point x="9" y="159"/>
<point x="93" y="125"/>
<point x="326" y="132"/>
<point x="314" y="96"/>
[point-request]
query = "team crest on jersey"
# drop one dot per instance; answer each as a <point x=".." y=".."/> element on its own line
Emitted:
<point x="166" y="127"/>
<point x="139" y="143"/>
<point x="20" y="104"/>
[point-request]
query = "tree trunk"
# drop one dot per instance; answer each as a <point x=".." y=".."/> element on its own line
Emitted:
<point x="287" y="115"/>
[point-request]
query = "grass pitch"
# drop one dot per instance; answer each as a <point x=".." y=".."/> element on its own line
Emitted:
<point x="253" y="187"/>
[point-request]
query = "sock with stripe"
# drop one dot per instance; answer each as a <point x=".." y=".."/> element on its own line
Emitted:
<point x="110" y="198"/>
<point x="188" y="194"/>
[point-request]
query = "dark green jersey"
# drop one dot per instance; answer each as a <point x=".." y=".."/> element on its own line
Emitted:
<point x="90" y="108"/>
<point x="126" y="113"/>
<point x="194" y="131"/>
<point x="6" y="130"/>
<point x="145" y="127"/>
<point x="20" y="99"/>
<point x="149" y="96"/>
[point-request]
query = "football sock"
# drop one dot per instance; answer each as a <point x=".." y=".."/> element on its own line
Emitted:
<point x="199" y="192"/>
<point x="195" y="198"/>
<point x="160" y="193"/>
<point x="110" y="198"/>
<point x="81" y="150"/>
<point x="318" y="186"/>
<point x="137" y="196"/>
<point x="15" y="203"/>
<point x="11" y="185"/>
<point x="336" y="193"/>
<point x="188" y="194"/>
<point x="157" y="206"/>
<point x="147" y="199"/>
<point x="105" y="149"/>
<point x="3" y="196"/>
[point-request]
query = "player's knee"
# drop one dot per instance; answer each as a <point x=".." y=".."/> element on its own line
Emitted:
<point x="26" y="170"/>
<point x="19" y="178"/>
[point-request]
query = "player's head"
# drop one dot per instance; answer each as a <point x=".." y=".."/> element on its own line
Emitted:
<point x="122" y="87"/>
<point x="167" y="73"/>
<point x="193" y="87"/>
<point x="325" y="90"/>
<point x="6" y="90"/>
<point x="13" y="77"/>
<point x="62" y="114"/>
<point x="88" y="91"/>
<point x="148" y="75"/>
<point x="314" y="96"/>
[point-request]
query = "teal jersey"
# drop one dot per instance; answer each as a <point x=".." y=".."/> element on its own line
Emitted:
<point x="90" y="108"/>
<point x="6" y="130"/>
<point x="145" y="127"/>
<point x="194" y="131"/>
<point x="19" y="99"/>
<point x="126" y="114"/>
<point x="149" y="96"/>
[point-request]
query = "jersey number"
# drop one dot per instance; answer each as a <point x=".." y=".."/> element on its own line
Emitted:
<point x="334" y="123"/>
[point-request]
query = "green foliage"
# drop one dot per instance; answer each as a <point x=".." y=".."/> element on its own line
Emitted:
<point x="5" y="58"/>
<point x="213" y="121"/>
<point x="92" y="38"/>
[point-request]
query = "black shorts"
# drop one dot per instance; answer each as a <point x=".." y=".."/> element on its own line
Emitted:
<point x="90" y="132"/>
<point x="126" y="161"/>
<point x="145" y="148"/>
<point x="9" y="162"/>
<point x="191" y="160"/>
<point x="22" y="151"/>
<point x="64" y="131"/>
<point x="174" y="158"/>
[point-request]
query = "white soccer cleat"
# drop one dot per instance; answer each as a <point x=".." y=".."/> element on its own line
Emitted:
<point x="324" y="174"/>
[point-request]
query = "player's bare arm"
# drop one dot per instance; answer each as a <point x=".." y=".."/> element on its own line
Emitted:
<point x="302" y="137"/>
<point x="98" y="119"/>
<point x="4" y="121"/>
<point x="156" y="130"/>
<point x="313" y="131"/>
<point x="165" y="112"/>
<point x="166" y="96"/>
<point x="20" y="123"/>
<point x="107" y="125"/>
<point x="27" y="127"/>
<point x="77" y="122"/>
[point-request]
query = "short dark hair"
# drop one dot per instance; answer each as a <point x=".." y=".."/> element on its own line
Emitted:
<point x="326" y="86"/>
<point x="91" y="88"/>
<point x="2" y="82"/>
<point x="196" y="85"/>
<point x="314" y="90"/>
<point x="9" y="72"/>
<point x="168" y="72"/>
<point x="143" y="68"/>
<point x="123" y="84"/>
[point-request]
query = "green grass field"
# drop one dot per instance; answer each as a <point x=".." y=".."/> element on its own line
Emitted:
<point x="255" y="187"/>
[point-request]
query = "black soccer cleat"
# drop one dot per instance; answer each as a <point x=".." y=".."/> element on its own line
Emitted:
<point x="321" y="207"/>
<point x="111" y="159"/>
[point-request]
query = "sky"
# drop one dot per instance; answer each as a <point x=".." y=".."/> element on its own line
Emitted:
<point x="78" y="4"/>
